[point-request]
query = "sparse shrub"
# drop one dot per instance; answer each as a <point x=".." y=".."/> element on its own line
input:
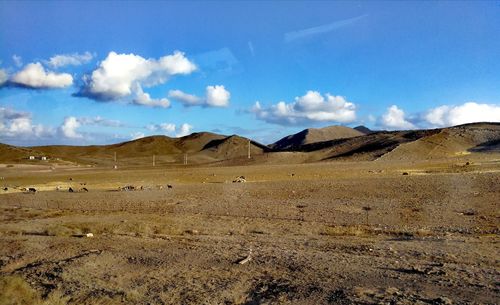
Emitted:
<point x="344" y="231"/>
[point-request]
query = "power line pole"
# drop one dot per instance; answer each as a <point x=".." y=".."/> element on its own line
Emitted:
<point x="185" y="159"/>
<point x="154" y="160"/>
<point x="249" y="149"/>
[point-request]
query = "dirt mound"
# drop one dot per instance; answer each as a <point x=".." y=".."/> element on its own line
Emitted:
<point x="313" y="135"/>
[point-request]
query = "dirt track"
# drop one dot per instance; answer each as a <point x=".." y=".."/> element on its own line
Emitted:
<point x="329" y="233"/>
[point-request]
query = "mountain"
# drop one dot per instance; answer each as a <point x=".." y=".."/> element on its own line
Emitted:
<point x="363" y="129"/>
<point x="201" y="147"/>
<point x="450" y="142"/>
<point x="307" y="146"/>
<point x="234" y="146"/>
<point x="314" y="135"/>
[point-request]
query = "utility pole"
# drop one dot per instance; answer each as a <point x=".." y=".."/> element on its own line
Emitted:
<point x="115" y="166"/>
<point x="153" y="160"/>
<point x="185" y="159"/>
<point x="249" y="149"/>
<point x="115" y="156"/>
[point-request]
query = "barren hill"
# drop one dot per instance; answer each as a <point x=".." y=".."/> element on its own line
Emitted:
<point x="232" y="147"/>
<point x="306" y="146"/>
<point x="363" y="129"/>
<point x="314" y="135"/>
<point x="450" y="142"/>
<point x="10" y="153"/>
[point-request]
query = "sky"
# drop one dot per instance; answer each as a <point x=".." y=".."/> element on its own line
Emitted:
<point x="83" y="72"/>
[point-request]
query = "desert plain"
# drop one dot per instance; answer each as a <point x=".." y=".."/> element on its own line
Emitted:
<point x="348" y="231"/>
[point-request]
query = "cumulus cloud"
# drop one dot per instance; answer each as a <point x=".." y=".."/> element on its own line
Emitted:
<point x="466" y="113"/>
<point x="142" y="98"/>
<point x="119" y="74"/>
<point x="441" y="116"/>
<point x="69" y="126"/>
<point x="394" y="118"/>
<point x="312" y="107"/>
<point x="184" y="130"/>
<point x="171" y="129"/>
<point x="19" y="125"/>
<point x="74" y="59"/>
<point x="34" y="76"/>
<point x="215" y="96"/>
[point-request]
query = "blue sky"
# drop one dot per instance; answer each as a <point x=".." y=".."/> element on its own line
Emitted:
<point x="101" y="72"/>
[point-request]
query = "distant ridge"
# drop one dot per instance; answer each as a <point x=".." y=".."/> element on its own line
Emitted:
<point x="363" y="129"/>
<point x="342" y="143"/>
<point x="314" y="135"/>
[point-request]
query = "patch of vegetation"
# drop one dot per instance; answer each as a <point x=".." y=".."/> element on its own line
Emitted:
<point x="14" y="290"/>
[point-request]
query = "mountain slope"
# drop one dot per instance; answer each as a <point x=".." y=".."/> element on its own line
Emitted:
<point x="314" y="135"/>
<point x="232" y="147"/>
<point x="9" y="153"/>
<point x="450" y="142"/>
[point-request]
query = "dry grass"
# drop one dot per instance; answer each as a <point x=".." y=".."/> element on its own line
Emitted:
<point x="345" y="231"/>
<point x="14" y="290"/>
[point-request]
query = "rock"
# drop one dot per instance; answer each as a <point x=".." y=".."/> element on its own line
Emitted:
<point x="89" y="235"/>
<point x="240" y="179"/>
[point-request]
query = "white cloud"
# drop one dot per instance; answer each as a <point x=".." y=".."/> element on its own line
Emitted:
<point x="68" y="128"/>
<point x="171" y="129"/>
<point x="3" y="76"/>
<point x="34" y="76"/>
<point x="137" y="135"/>
<point x="18" y="61"/>
<point x="119" y="74"/>
<point x="74" y="59"/>
<point x="142" y="98"/>
<point x="100" y="121"/>
<point x="185" y="98"/>
<point x="394" y="118"/>
<point x="215" y="96"/>
<point x="466" y="113"/>
<point x="312" y="107"/>
<point x="184" y="130"/>
<point x="16" y="124"/>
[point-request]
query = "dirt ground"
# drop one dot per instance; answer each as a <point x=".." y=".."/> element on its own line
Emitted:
<point x="322" y="233"/>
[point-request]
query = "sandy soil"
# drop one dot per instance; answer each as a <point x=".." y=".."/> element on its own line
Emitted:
<point x="324" y="233"/>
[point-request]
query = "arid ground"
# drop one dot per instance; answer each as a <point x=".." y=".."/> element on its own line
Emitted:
<point x="322" y="233"/>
